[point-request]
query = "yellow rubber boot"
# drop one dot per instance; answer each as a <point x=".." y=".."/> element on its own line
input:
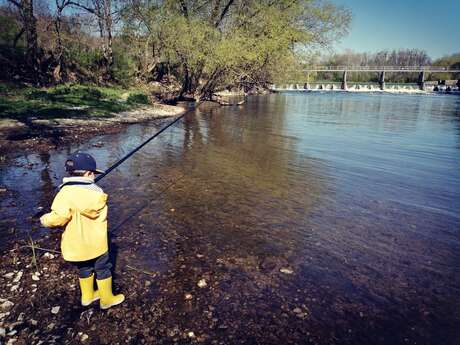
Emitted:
<point x="88" y="295"/>
<point x="107" y="298"/>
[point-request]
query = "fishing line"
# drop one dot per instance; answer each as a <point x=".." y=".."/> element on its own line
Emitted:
<point x="144" y="205"/>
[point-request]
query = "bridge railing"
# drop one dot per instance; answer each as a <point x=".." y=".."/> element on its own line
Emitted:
<point x="431" y="69"/>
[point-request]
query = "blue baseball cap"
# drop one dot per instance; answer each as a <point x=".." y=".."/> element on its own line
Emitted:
<point x="79" y="162"/>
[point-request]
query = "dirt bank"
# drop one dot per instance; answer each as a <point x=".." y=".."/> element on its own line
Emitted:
<point x="35" y="134"/>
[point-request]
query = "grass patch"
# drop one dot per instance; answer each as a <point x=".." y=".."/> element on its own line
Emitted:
<point x="65" y="101"/>
<point x="138" y="98"/>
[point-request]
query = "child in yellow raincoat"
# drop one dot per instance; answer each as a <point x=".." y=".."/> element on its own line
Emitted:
<point x="81" y="206"/>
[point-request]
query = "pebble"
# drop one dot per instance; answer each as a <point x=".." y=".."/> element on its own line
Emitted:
<point x="21" y="317"/>
<point x="202" y="283"/>
<point x="34" y="322"/>
<point x="286" y="270"/>
<point x="11" y="341"/>
<point x="297" y="310"/>
<point x="2" y="332"/>
<point x="55" y="310"/>
<point x="7" y="305"/>
<point x="188" y="296"/>
<point x="191" y="335"/>
<point x="84" y="337"/>
<point x="9" y="275"/>
<point x="35" y="276"/>
<point x="18" y="277"/>
<point x="48" y="255"/>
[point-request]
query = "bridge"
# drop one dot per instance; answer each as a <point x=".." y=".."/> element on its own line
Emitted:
<point x="381" y="70"/>
<point x="407" y="69"/>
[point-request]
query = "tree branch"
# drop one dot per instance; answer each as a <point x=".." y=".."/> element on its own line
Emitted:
<point x="224" y="12"/>
<point x="76" y="4"/>
<point x="17" y="37"/>
<point x="184" y="8"/>
<point x="17" y="4"/>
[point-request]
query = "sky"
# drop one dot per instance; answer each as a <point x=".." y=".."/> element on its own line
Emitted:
<point x="431" y="25"/>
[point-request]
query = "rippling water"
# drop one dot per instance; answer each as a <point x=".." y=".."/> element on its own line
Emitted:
<point x="358" y="195"/>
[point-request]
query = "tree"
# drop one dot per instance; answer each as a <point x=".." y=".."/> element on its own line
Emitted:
<point x="452" y="61"/>
<point x="29" y="22"/>
<point x="215" y="43"/>
<point x="104" y="11"/>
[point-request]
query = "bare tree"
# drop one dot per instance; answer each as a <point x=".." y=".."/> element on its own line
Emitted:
<point x="29" y="22"/>
<point x="103" y="11"/>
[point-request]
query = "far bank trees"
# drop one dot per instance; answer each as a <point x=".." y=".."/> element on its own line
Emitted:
<point x="202" y="45"/>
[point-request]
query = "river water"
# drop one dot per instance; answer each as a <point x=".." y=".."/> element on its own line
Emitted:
<point x="326" y="218"/>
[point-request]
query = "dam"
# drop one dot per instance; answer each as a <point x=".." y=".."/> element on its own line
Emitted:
<point x="420" y="84"/>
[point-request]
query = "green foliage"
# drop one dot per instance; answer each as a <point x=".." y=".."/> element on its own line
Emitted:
<point x="9" y="29"/>
<point x="452" y="61"/>
<point x="63" y="101"/>
<point x="201" y="45"/>
<point x="139" y="98"/>
<point x="124" y="66"/>
<point x="253" y="43"/>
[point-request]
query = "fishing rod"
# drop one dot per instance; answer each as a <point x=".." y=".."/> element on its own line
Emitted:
<point x="120" y="161"/>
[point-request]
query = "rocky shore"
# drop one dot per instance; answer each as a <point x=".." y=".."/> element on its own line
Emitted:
<point x="36" y="134"/>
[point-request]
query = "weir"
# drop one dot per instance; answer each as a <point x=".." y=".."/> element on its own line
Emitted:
<point x="381" y="70"/>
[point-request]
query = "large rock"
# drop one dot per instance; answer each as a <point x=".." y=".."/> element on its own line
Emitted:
<point x="6" y="305"/>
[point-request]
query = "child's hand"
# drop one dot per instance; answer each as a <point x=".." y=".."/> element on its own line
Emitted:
<point x="42" y="221"/>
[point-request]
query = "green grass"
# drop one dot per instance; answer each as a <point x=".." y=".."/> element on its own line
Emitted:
<point x="66" y="101"/>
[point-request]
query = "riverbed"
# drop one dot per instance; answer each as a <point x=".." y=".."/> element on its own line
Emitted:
<point x="325" y="218"/>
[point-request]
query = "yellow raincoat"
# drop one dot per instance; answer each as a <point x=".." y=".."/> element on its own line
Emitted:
<point x="83" y="212"/>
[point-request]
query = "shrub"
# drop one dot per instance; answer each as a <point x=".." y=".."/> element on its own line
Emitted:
<point x="37" y="94"/>
<point x="138" y="98"/>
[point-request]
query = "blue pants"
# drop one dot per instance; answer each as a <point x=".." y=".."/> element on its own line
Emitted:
<point x="101" y="265"/>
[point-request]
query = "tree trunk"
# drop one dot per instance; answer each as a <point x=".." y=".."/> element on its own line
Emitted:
<point x="26" y="10"/>
<point x="58" y="70"/>
<point x="31" y="37"/>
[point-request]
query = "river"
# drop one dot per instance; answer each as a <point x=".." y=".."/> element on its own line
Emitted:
<point x="328" y="218"/>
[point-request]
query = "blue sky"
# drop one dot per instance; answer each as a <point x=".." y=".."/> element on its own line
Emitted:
<point x="426" y="24"/>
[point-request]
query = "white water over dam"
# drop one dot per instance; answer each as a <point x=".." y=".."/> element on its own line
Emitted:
<point x="365" y="87"/>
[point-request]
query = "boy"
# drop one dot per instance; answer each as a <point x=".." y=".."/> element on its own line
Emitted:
<point x="81" y="206"/>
